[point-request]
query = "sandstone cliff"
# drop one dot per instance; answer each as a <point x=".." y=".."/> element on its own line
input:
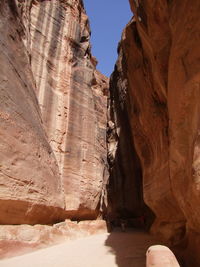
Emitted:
<point x="53" y="113"/>
<point x="156" y="87"/>
<point x="30" y="187"/>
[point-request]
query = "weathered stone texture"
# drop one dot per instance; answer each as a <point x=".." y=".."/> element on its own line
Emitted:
<point x="160" y="71"/>
<point x="73" y="103"/>
<point x="20" y="239"/>
<point x="45" y="58"/>
<point x="30" y="187"/>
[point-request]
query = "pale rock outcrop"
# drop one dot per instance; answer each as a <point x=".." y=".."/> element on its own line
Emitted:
<point x="20" y="239"/>
<point x="30" y="186"/>
<point x="158" y="256"/>
<point x="158" y="74"/>
<point x="72" y="96"/>
<point x="49" y="83"/>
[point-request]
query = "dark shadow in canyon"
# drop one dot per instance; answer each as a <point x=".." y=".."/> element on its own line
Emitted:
<point x="126" y="208"/>
<point x="129" y="247"/>
<point x="125" y="188"/>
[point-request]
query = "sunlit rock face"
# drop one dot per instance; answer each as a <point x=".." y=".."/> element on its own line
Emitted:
<point x="53" y="110"/>
<point x="21" y="239"/>
<point x="73" y="99"/>
<point x="158" y="77"/>
<point x="30" y="186"/>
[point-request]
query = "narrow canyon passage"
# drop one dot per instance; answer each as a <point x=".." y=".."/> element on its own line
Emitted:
<point x="117" y="249"/>
<point x="80" y="151"/>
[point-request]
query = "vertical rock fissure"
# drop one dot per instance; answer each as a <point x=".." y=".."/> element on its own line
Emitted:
<point x="125" y="189"/>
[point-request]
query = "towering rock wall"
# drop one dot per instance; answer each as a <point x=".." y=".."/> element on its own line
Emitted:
<point x="30" y="186"/>
<point x="158" y="77"/>
<point x="73" y="103"/>
<point x="73" y="100"/>
<point x="62" y="99"/>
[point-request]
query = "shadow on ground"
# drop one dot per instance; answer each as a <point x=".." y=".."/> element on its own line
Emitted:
<point x="129" y="247"/>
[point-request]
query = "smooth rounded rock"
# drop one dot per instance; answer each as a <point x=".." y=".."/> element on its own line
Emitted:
<point x="160" y="256"/>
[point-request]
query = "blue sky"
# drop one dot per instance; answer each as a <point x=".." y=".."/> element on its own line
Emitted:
<point x="107" y="20"/>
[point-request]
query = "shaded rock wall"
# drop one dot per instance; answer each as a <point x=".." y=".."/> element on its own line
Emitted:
<point x="158" y="76"/>
<point x="125" y="183"/>
<point x="50" y="64"/>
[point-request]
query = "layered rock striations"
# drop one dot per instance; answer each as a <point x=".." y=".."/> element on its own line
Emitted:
<point x="156" y="87"/>
<point x="73" y="100"/>
<point x="30" y="187"/>
<point x="53" y="113"/>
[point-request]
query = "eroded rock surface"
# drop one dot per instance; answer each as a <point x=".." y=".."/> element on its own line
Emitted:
<point x="19" y="239"/>
<point x="158" y="77"/>
<point x="30" y="186"/>
<point x="72" y="97"/>
<point x="53" y="113"/>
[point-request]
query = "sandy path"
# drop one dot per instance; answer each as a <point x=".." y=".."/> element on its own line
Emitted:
<point x="105" y="250"/>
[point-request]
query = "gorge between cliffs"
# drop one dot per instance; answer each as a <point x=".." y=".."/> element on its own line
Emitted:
<point x="76" y="146"/>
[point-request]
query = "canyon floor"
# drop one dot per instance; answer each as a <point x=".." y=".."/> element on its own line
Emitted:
<point x="118" y="248"/>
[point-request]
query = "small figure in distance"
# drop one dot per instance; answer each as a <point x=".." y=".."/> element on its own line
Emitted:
<point x="123" y="225"/>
